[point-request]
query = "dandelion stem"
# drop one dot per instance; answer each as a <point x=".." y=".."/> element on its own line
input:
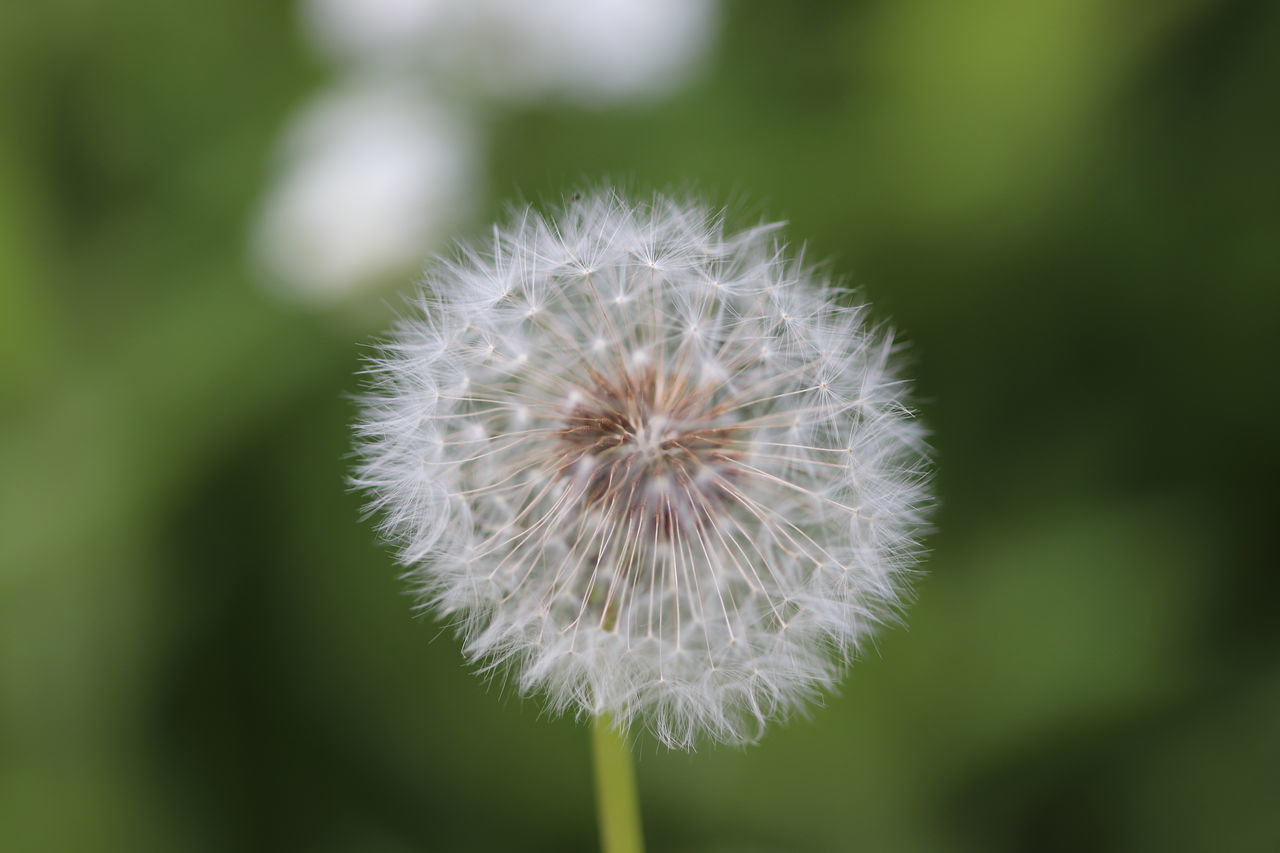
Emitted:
<point x="617" y="805"/>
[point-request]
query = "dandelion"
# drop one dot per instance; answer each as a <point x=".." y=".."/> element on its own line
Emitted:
<point x="653" y="468"/>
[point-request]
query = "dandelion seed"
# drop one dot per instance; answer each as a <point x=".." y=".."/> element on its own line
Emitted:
<point x="651" y="468"/>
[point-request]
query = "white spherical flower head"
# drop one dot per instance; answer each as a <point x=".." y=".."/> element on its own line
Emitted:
<point x="651" y="468"/>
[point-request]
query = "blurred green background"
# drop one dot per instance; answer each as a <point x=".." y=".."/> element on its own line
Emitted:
<point x="1070" y="208"/>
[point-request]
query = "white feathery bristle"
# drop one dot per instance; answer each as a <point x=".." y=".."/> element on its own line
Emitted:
<point x="650" y="468"/>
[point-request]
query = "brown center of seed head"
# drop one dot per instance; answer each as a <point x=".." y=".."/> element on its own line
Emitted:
<point x="646" y="449"/>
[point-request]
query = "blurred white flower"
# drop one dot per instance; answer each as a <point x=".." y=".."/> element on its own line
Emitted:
<point x="372" y="174"/>
<point x="589" y="50"/>
<point x="370" y="177"/>
<point x="651" y="467"/>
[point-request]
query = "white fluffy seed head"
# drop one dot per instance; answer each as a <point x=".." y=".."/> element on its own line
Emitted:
<point x="649" y="467"/>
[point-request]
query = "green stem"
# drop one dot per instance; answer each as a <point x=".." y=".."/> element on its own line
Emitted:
<point x="616" y="800"/>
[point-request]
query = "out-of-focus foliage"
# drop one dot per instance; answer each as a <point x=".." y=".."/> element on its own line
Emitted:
<point x="1070" y="207"/>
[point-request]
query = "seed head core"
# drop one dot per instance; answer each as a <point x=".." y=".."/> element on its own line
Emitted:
<point x="650" y="449"/>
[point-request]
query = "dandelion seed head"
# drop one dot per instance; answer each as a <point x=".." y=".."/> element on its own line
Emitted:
<point x="649" y="466"/>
